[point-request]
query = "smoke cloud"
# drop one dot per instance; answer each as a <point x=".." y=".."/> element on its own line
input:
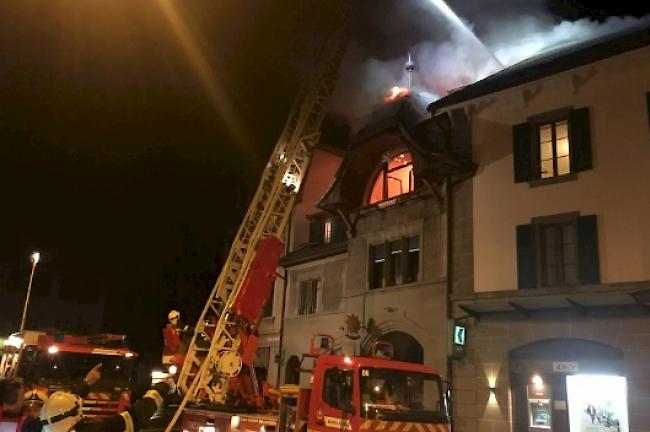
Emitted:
<point x="457" y="58"/>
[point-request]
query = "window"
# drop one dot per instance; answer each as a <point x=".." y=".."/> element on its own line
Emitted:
<point x="552" y="145"/>
<point x="308" y="297"/>
<point x="554" y="149"/>
<point x="324" y="230"/>
<point x="337" y="388"/>
<point x="557" y="254"/>
<point x="394" y="178"/>
<point x="268" y="306"/>
<point x="377" y="260"/>
<point x="327" y="237"/>
<point x="395" y="262"/>
<point x="557" y="251"/>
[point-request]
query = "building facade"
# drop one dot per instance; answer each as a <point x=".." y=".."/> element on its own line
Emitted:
<point x="367" y="249"/>
<point x="557" y="310"/>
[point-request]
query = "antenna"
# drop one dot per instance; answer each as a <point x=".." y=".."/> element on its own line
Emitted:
<point x="409" y="66"/>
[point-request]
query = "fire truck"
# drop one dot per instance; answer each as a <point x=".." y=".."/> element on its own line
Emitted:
<point x="49" y="362"/>
<point x="351" y="393"/>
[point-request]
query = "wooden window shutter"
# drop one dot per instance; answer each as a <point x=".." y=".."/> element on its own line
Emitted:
<point x="580" y="140"/>
<point x="526" y="257"/>
<point x="316" y="232"/>
<point x="588" y="258"/>
<point x="521" y="151"/>
<point x="338" y="229"/>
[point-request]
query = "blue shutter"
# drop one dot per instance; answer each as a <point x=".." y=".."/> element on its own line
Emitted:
<point x="526" y="257"/>
<point x="580" y="140"/>
<point x="521" y="151"/>
<point x="588" y="258"/>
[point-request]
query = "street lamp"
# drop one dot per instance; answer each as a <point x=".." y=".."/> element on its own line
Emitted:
<point x="35" y="258"/>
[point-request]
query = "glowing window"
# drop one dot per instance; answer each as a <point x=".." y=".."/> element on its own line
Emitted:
<point x="395" y="178"/>
<point x="554" y="149"/>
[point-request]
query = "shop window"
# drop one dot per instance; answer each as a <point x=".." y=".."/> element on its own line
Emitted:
<point x="337" y="388"/>
<point x="395" y="262"/>
<point x="395" y="178"/>
<point x="308" y="297"/>
<point x="552" y="145"/>
<point x="557" y="251"/>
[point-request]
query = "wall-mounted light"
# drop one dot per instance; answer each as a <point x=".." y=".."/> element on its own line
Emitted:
<point x="493" y="391"/>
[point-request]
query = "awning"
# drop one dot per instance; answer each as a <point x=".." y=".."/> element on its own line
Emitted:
<point x="584" y="299"/>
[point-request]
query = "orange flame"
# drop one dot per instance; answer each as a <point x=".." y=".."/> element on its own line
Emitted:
<point x="396" y="93"/>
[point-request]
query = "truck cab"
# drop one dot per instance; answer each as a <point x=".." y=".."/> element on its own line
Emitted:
<point x="48" y="362"/>
<point x="374" y="394"/>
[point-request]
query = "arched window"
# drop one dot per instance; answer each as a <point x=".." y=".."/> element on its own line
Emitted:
<point x="394" y="178"/>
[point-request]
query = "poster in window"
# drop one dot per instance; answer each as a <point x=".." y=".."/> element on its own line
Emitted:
<point x="597" y="403"/>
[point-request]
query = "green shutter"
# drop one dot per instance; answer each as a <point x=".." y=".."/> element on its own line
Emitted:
<point x="588" y="258"/>
<point x="526" y="257"/>
<point x="521" y="151"/>
<point x="316" y="232"/>
<point x="580" y="140"/>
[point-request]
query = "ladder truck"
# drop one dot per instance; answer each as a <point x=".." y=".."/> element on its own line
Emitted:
<point x="218" y="381"/>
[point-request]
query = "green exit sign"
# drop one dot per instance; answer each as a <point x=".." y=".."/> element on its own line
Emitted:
<point x="459" y="335"/>
<point x="457" y="339"/>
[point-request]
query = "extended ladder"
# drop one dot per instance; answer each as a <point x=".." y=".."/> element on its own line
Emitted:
<point x="206" y="370"/>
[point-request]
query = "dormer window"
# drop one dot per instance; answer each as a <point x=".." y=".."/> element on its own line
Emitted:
<point x="394" y="178"/>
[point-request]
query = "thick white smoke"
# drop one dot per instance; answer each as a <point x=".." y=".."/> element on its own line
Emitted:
<point x="458" y="60"/>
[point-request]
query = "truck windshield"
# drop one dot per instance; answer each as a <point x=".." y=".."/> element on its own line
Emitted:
<point x="67" y="368"/>
<point x="398" y="395"/>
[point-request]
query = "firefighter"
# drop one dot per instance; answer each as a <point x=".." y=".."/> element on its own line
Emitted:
<point x="62" y="412"/>
<point x="174" y="335"/>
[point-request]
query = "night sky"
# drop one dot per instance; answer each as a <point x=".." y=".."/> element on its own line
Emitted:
<point x="127" y="159"/>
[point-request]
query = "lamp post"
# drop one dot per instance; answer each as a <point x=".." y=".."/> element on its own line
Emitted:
<point x="35" y="257"/>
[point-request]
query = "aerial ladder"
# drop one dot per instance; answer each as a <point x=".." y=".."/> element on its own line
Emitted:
<point x="233" y="311"/>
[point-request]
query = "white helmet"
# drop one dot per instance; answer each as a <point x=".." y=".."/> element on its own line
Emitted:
<point x="173" y="315"/>
<point x="61" y="412"/>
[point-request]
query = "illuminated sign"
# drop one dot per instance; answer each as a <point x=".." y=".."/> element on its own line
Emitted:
<point x="457" y="339"/>
<point x="459" y="334"/>
<point x="597" y="403"/>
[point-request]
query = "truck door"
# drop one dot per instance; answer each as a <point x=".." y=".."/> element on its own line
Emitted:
<point x="333" y="407"/>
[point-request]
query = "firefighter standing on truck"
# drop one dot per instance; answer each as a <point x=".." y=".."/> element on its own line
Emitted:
<point x="174" y="335"/>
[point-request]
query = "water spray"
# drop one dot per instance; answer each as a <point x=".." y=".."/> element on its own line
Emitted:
<point x="444" y="8"/>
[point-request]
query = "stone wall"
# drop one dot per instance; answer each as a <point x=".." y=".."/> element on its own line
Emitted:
<point x="489" y="343"/>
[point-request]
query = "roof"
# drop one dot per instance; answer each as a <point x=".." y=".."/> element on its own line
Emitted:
<point x="398" y="125"/>
<point x="313" y="252"/>
<point x="550" y="63"/>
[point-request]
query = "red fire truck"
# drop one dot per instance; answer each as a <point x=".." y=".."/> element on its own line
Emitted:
<point x="347" y="393"/>
<point x="49" y="362"/>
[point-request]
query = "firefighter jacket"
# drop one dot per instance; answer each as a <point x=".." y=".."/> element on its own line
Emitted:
<point x="172" y="339"/>
<point x="136" y="418"/>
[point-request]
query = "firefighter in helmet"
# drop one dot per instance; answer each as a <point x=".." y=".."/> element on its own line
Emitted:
<point x="62" y="412"/>
<point x="174" y="335"/>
